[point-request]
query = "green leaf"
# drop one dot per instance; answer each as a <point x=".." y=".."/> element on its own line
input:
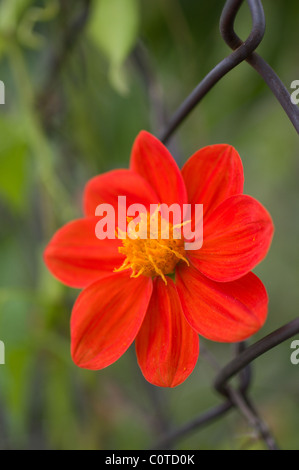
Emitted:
<point x="10" y="13"/>
<point x="114" y="28"/>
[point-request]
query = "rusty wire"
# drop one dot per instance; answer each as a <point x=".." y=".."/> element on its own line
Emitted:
<point x="241" y="364"/>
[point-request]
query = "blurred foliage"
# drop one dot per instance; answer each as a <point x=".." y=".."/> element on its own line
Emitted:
<point x="114" y="29"/>
<point x="81" y="80"/>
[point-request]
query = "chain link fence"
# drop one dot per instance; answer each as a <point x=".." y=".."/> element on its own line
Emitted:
<point x="237" y="398"/>
<point x="239" y="370"/>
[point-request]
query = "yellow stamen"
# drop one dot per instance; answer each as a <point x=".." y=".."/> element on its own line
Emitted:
<point x="148" y="251"/>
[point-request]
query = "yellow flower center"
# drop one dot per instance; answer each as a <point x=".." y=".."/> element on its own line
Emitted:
<point x="153" y="246"/>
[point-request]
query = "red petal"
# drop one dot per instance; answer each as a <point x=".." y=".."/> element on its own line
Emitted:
<point x="225" y="312"/>
<point x="107" y="187"/>
<point x="236" y="237"/>
<point x="151" y="159"/>
<point x="106" y="318"/>
<point x="166" y="345"/>
<point x="77" y="258"/>
<point x="213" y="174"/>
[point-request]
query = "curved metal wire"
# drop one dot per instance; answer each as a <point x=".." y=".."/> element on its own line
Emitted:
<point x="241" y="51"/>
<point x="253" y="352"/>
<point x="256" y="61"/>
<point x="240" y="365"/>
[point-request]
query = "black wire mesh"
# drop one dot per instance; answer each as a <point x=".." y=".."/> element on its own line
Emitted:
<point x="240" y="366"/>
<point x="242" y="51"/>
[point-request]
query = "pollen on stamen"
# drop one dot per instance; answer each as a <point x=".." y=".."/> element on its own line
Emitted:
<point x="148" y="252"/>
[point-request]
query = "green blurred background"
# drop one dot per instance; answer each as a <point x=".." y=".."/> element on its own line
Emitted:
<point x="82" y="79"/>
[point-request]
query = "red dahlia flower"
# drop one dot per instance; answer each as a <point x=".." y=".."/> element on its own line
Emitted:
<point x="153" y="291"/>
